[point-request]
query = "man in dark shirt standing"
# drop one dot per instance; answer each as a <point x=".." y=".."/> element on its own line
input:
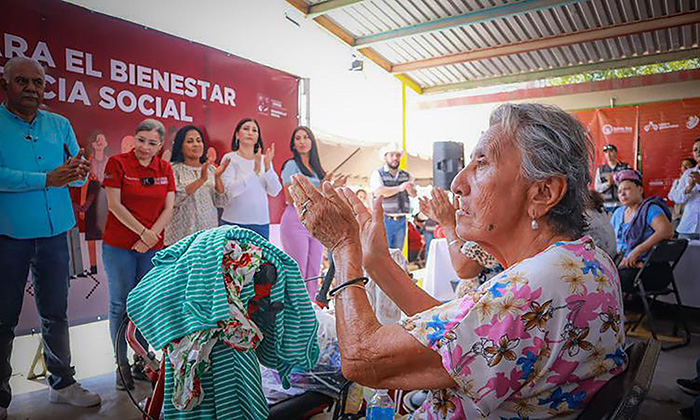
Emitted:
<point x="604" y="183"/>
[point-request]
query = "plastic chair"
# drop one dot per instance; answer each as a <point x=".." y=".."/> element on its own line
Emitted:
<point x="668" y="251"/>
<point x="622" y="396"/>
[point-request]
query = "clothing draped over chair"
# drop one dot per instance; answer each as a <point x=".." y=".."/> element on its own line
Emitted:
<point x="185" y="295"/>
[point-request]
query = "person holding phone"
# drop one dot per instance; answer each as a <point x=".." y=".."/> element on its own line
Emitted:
<point x="140" y="196"/>
<point x="687" y="192"/>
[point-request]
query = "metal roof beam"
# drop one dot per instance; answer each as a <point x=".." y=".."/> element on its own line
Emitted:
<point x="410" y="83"/>
<point x="568" y="71"/>
<point x="324" y="7"/>
<point x="480" y="16"/>
<point x="555" y="41"/>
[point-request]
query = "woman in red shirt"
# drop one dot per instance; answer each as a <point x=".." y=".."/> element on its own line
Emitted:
<point x="140" y="195"/>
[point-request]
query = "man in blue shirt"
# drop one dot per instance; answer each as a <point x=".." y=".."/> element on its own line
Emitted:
<point x="39" y="158"/>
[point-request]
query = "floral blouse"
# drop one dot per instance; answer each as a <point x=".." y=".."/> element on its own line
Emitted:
<point x="536" y="341"/>
<point x="196" y="211"/>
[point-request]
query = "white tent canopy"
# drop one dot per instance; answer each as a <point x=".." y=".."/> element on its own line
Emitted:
<point x="358" y="160"/>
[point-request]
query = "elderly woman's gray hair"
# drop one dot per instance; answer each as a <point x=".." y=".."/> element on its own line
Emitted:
<point x="8" y="68"/>
<point x="149" y="124"/>
<point x="553" y="144"/>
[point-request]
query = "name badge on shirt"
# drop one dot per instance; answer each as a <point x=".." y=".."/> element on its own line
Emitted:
<point x="147" y="182"/>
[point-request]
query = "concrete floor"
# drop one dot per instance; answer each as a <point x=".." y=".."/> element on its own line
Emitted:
<point x="95" y="370"/>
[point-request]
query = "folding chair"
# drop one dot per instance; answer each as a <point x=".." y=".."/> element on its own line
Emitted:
<point x="668" y="251"/>
<point x="622" y="396"/>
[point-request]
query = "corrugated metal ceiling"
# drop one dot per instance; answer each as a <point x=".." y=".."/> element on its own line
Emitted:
<point x="372" y="17"/>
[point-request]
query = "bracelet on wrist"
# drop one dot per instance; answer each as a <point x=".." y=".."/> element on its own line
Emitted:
<point x="357" y="280"/>
<point x="142" y="232"/>
<point x="359" y="286"/>
<point x="456" y="241"/>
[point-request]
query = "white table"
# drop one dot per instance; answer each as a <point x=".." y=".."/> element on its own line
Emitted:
<point x="687" y="274"/>
<point x="439" y="272"/>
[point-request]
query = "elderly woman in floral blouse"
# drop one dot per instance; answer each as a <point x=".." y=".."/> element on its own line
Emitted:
<point x="537" y="340"/>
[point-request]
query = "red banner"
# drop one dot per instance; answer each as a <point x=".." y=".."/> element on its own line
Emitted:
<point x="661" y="134"/>
<point x="616" y="126"/>
<point x="106" y="75"/>
<point x="667" y="133"/>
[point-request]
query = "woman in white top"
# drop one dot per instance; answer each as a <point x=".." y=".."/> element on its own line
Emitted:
<point x="249" y="179"/>
<point x="199" y="189"/>
<point x="687" y="192"/>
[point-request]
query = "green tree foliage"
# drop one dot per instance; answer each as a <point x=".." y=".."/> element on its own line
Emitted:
<point x="625" y="72"/>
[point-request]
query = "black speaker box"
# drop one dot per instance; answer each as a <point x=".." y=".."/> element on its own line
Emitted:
<point x="448" y="160"/>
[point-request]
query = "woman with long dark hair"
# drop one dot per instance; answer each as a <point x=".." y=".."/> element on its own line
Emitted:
<point x="199" y="190"/>
<point x="249" y="179"/>
<point x="296" y="240"/>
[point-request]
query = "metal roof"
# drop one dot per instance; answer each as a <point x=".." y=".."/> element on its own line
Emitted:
<point x="440" y="45"/>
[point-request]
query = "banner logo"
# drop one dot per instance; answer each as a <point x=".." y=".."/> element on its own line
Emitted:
<point x="263" y="105"/>
<point x="659" y="127"/>
<point x="692" y="122"/>
<point x="609" y="129"/>
<point x="271" y="106"/>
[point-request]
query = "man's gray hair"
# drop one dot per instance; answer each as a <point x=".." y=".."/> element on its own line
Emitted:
<point x="553" y="144"/>
<point x="150" y="124"/>
<point x="9" y="67"/>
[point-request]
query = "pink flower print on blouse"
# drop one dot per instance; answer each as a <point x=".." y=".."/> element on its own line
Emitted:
<point x="537" y="340"/>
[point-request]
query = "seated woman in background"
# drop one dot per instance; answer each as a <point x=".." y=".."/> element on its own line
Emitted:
<point x="199" y="190"/>
<point x="249" y="179"/>
<point x="639" y="225"/>
<point x="599" y="227"/>
<point x="537" y="340"/>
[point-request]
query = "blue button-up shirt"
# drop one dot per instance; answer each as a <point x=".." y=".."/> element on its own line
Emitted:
<point x="28" y="151"/>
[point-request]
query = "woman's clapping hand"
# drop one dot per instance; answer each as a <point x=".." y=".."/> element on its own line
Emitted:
<point x="439" y="208"/>
<point x="324" y="213"/>
<point x="336" y="217"/>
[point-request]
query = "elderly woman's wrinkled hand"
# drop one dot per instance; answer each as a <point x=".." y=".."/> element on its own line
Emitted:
<point x="439" y="208"/>
<point x="372" y="230"/>
<point x="325" y="214"/>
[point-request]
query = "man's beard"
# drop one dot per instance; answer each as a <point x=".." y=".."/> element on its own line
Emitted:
<point x="393" y="165"/>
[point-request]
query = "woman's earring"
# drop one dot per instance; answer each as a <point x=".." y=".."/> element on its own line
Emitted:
<point x="534" y="225"/>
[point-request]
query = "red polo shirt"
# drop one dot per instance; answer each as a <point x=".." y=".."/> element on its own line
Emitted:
<point x="143" y="192"/>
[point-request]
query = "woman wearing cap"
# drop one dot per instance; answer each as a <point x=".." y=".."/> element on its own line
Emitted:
<point x="639" y="225"/>
<point x="604" y="182"/>
<point x="537" y="340"/>
<point x="688" y="193"/>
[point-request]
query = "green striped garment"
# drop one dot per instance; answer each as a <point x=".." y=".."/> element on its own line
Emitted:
<point x="185" y="292"/>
